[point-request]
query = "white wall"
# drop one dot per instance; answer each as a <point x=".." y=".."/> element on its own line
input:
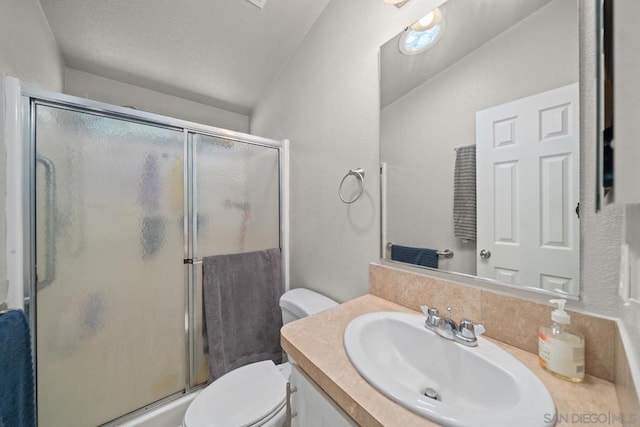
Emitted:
<point x="626" y="118"/>
<point x="600" y="233"/>
<point x="28" y="51"/>
<point x="86" y="85"/>
<point x="326" y="100"/>
<point x="418" y="132"/>
<point x="630" y="312"/>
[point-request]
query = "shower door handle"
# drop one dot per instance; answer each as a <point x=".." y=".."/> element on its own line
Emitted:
<point x="50" y="223"/>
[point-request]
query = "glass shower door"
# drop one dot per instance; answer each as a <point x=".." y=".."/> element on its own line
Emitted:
<point x="110" y="246"/>
<point x="236" y="209"/>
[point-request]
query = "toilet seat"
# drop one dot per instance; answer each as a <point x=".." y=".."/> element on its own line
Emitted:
<point x="247" y="396"/>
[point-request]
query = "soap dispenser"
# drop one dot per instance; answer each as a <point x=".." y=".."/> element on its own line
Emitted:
<point x="560" y="348"/>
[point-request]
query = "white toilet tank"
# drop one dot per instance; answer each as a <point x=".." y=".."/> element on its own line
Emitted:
<point x="298" y="303"/>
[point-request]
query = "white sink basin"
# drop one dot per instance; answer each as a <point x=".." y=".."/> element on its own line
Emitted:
<point x="477" y="386"/>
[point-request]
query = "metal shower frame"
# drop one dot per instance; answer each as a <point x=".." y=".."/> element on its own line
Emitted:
<point x="20" y="102"/>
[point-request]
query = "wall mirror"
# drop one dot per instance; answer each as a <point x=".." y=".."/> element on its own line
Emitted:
<point x="605" y="171"/>
<point x="479" y="142"/>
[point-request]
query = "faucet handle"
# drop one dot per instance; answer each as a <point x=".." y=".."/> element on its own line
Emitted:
<point x="428" y="311"/>
<point x="468" y="329"/>
<point x="467" y="333"/>
<point x="433" y="319"/>
<point x="433" y="322"/>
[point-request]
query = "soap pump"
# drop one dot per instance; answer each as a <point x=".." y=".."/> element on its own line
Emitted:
<point x="561" y="348"/>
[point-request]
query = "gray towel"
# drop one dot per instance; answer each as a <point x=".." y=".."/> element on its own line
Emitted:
<point x="464" y="193"/>
<point x="242" y="311"/>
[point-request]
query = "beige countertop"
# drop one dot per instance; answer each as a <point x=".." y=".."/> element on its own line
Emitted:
<point x="315" y="343"/>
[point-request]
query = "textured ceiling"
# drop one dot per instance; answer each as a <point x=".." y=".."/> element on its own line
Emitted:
<point x="469" y="25"/>
<point x="219" y="52"/>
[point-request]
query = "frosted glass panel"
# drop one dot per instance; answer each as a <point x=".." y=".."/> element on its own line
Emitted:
<point x="237" y="209"/>
<point x="110" y="249"/>
<point x="237" y="197"/>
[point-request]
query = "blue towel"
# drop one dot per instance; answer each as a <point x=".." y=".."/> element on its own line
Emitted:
<point x="417" y="256"/>
<point x="17" y="403"/>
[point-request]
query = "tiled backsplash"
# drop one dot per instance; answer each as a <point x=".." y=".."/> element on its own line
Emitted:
<point x="508" y="319"/>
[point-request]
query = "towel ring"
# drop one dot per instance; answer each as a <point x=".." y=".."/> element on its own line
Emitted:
<point x="359" y="174"/>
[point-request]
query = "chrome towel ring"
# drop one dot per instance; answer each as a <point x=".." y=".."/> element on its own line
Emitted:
<point x="359" y="174"/>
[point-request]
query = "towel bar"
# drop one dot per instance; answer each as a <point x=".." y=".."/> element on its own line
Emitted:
<point x="444" y="253"/>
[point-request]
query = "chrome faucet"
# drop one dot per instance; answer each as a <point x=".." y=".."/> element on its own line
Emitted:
<point x="466" y="334"/>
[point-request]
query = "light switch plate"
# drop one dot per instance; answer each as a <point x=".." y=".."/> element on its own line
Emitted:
<point x="259" y="3"/>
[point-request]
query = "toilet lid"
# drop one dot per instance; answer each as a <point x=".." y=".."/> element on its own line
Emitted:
<point x="239" y="398"/>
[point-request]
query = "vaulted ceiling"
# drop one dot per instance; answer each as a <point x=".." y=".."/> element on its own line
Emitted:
<point x="223" y="53"/>
<point x="469" y="25"/>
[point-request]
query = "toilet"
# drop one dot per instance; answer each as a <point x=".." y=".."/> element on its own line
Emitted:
<point x="254" y="395"/>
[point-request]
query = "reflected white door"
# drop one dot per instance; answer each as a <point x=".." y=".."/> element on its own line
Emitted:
<point x="528" y="190"/>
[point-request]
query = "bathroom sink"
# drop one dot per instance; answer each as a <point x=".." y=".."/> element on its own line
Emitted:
<point x="442" y="380"/>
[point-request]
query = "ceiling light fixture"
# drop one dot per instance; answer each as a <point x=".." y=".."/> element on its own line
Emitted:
<point x="428" y="21"/>
<point x="258" y="3"/>
<point x="396" y="3"/>
<point x="423" y="34"/>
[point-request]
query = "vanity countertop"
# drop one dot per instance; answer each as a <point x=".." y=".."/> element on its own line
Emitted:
<point x="316" y="344"/>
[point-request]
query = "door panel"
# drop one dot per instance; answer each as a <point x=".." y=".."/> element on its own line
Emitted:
<point x="237" y="189"/>
<point x="528" y="189"/>
<point x="506" y="195"/>
<point x="110" y="305"/>
<point x="555" y="190"/>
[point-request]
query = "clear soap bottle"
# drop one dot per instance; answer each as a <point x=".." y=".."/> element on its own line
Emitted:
<point x="561" y="348"/>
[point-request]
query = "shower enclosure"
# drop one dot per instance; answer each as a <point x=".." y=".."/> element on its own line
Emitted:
<point x="122" y="207"/>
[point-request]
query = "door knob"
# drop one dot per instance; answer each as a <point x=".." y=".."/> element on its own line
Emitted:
<point x="484" y="254"/>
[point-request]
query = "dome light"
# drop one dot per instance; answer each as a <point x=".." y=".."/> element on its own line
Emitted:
<point x="423" y="34"/>
<point x="428" y="21"/>
<point x="396" y="3"/>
